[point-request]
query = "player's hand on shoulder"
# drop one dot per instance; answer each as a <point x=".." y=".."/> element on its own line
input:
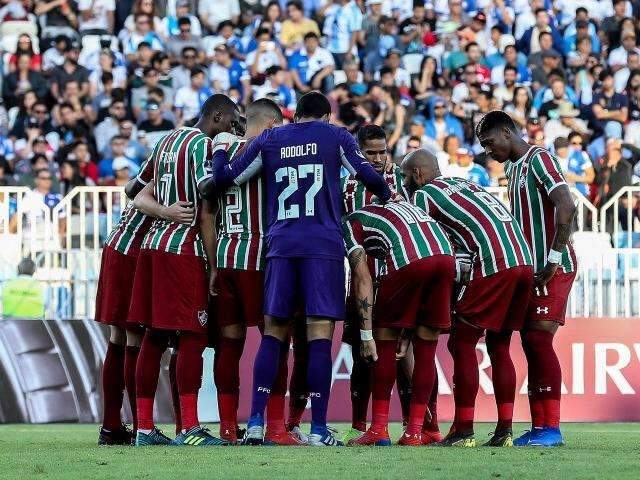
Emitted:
<point x="545" y="275"/>
<point x="180" y="212"/>
<point x="223" y="141"/>
<point x="368" y="351"/>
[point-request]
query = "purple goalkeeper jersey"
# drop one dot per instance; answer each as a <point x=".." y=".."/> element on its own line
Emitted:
<point x="300" y="164"/>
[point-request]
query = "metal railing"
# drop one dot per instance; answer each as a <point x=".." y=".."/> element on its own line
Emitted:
<point x="66" y="242"/>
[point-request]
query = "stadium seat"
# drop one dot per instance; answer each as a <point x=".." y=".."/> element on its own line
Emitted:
<point x="18" y="27"/>
<point x="412" y="62"/>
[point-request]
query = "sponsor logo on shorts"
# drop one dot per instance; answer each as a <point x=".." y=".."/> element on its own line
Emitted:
<point x="314" y="394"/>
<point x="264" y="389"/>
<point x="544" y="310"/>
<point x="203" y="317"/>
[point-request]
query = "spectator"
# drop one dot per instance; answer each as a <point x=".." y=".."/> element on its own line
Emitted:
<point x="58" y="17"/>
<point x="110" y="126"/>
<point x="87" y="167"/>
<point x="54" y="56"/>
<point x="24" y="297"/>
<point x="618" y="56"/>
<point x="312" y="66"/>
<point x="267" y="54"/>
<point x="228" y="73"/>
<point x="610" y="27"/>
<point x="170" y="21"/>
<point x="504" y="93"/>
<point x="401" y="77"/>
<point x="96" y="16"/>
<point x="412" y="30"/>
<point x="511" y="59"/>
<point x="25" y="105"/>
<point x="428" y="80"/>
<point x="108" y="165"/>
<point x="25" y="46"/>
<point x="550" y="63"/>
<point x="575" y="163"/>
<point x="276" y="89"/>
<point x="6" y="177"/>
<point x="70" y="177"/>
<point x="181" y="74"/>
<point x="342" y="24"/>
<point x="608" y="105"/>
<point x="70" y="71"/>
<point x="189" y="99"/>
<point x="392" y="112"/>
<point x="465" y="167"/>
<point x="118" y="75"/>
<point x="296" y="26"/>
<point x="416" y="131"/>
<point x="185" y="38"/>
<point x="155" y="126"/>
<point x="442" y="123"/>
<point x="213" y="12"/>
<point x="145" y="7"/>
<point x="139" y="96"/>
<point x="632" y="135"/>
<point x="529" y="42"/>
<point x="23" y="80"/>
<point x="142" y="33"/>
<point x="562" y="121"/>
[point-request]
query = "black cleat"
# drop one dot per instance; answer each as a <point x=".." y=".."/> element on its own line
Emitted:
<point x="455" y="439"/>
<point x="121" y="436"/>
<point x="502" y="438"/>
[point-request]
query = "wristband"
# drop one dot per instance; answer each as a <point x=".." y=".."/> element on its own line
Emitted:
<point x="554" y="256"/>
<point x="366" y="335"/>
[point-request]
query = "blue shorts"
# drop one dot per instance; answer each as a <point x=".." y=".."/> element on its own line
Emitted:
<point x="310" y="285"/>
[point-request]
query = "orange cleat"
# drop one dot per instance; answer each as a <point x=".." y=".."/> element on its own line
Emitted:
<point x="429" y="437"/>
<point x="410" y="440"/>
<point x="283" y="439"/>
<point x="371" y="437"/>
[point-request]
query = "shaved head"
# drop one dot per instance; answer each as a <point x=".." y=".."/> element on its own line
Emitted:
<point x="419" y="168"/>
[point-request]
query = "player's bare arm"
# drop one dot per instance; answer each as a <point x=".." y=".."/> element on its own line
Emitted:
<point x="363" y="290"/>
<point x="209" y="239"/>
<point x="565" y="211"/>
<point x="178" y="212"/>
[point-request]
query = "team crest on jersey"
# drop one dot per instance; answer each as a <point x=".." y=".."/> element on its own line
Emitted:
<point x="203" y="317"/>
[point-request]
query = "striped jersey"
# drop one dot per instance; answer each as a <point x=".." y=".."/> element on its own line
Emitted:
<point x="179" y="165"/>
<point x="398" y="233"/>
<point x="356" y="196"/>
<point x="477" y="223"/>
<point x="531" y="179"/>
<point x="241" y="223"/>
<point x="127" y="236"/>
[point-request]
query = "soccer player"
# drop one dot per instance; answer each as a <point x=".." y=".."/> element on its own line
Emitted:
<point x="542" y="204"/>
<point x="414" y="294"/>
<point x="239" y="284"/>
<point x="115" y="283"/>
<point x="170" y="286"/>
<point x="300" y="164"/>
<point x="373" y="144"/>
<point x="499" y="284"/>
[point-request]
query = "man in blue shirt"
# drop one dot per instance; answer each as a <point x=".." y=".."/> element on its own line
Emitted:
<point x="300" y="165"/>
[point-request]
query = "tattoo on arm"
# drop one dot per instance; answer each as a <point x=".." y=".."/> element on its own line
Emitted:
<point x="355" y="258"/>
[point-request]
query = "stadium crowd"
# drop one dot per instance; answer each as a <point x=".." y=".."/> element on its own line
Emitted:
<point x="88" y="87"/>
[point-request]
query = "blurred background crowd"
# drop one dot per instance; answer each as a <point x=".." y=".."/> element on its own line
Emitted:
<point x="89" y="86"/>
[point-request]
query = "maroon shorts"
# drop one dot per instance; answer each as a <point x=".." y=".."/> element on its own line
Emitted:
<point x="417" y="294"/>
<point x="170" y="292"/>
<point x="115" y="284"/>
<point x="496" y="302"/>
<point x="551" y="303"/>
<point x="240" y="297"/>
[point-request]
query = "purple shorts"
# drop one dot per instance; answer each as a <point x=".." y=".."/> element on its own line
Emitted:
<point x="310" y="285"/>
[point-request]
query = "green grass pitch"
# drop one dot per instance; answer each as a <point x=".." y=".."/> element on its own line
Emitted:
<point x="593" y="451"/>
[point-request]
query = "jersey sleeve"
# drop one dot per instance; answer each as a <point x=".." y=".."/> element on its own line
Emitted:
<point x="547" y="172"/>
<point x="245" y="165"/>
<point x="201" y="152"/>
<point x="422" y="200"/>
<point x="354" y="161"/>
<point x="353" y="234"/>
<point x="145" y="175"/>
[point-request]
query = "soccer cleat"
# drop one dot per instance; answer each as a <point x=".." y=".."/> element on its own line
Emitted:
<point x="254" y="435"/>
<point x="198" y="437"/>
<point x="154" y="437"/>
<point x="283" y="439"/>
<point x="327" y="439"/>
<point x="455" y="439"/>
<point x="547" y="437"/>
<point x="431" y="437"/>
<point x="502" y="438"/>
<point x="524" y="439"/>
<point x="371" y="437"/>
<point x="410" y="440"/>
<point x="297" y="432"/>
<point x="121" y="436"/>
<point x="351" y="434"/>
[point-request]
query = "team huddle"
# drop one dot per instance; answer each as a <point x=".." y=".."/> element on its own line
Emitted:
<point x="243" y="222"/>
